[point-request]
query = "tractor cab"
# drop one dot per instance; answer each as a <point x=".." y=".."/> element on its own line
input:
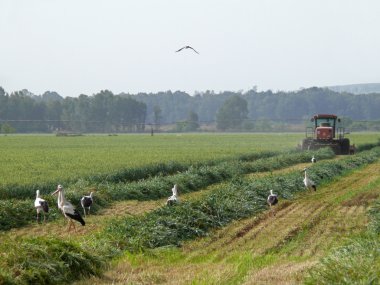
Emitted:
<point x="324" y="126"/>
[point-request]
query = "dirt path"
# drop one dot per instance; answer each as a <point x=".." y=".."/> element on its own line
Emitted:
<point x="274" y="248"/>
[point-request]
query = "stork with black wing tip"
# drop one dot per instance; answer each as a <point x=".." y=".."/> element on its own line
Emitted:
<point x="309" y="184"/>
<point x="272" y="200"/>
<point x="86" y="202"/>
<point x="68" y="209"/>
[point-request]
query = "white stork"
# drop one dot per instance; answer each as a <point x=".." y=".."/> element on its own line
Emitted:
<point x="59" y="197"/>
<point x="309" y="184"/>
<point x="41" y="206"/>
<point x="67" y="208"/>
<point x="272" y="199"/>
<point x="186" y="47"/>
<point x="313" y="160"/>
<point x="86" y="202"/>
<point x="174" y="198"/>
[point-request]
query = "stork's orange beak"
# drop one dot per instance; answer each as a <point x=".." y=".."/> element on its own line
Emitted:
<point x="55" y="192"/>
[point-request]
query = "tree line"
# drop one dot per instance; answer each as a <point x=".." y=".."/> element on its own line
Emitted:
<point x="23" y="111"/>
<point x="102" y="112"/>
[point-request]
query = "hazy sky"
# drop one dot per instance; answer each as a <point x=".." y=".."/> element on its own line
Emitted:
<point x="84" y="46"/>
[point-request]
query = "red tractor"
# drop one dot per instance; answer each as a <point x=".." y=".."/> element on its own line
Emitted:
<point x="326" y="133"/>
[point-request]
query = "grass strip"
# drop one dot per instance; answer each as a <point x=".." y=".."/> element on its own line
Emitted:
<point x="17" y="213"/>
<point x="166" y="226"/>
<point x="357" y="262"/>
<point x="169" y="226"/>
<point x="16" y="191"/>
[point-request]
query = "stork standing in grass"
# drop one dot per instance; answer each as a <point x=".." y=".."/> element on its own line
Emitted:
<point x="272" y="200"/>
<point x="41" y="206"/>
<point x="313" y="160"/>
<point x="67" y="208"/>
<point x="59" y="198"/>
<point x="309" y="184"/>
<point x="86" y="202"/>
<point x="174" y="198"/>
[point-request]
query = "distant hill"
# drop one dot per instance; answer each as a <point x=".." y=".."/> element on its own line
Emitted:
<point x="363" y="88"/>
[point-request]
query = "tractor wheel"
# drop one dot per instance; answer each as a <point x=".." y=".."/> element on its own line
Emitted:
<point x="345" y="146"/>
<point x="336" y="149"/>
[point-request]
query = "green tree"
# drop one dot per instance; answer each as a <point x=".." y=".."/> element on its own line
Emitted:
<point x="232" y="113"/>
<point x="3" y="103"/>
<point x="7" y="129"/>
<point x="190" y="125"/>
<point x="192" y="122"/>
<point x="157" y="116"/>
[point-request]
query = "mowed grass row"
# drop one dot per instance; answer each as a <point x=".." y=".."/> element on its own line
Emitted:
<point x="38" y="261"/>
<point x="300" y="230"/>
<point x="241" y="198"/>
<point x="125" y="176"/>
<point x="41" y="162"/>
<point x="17" y="213"/>
<point x="357" y="262"/>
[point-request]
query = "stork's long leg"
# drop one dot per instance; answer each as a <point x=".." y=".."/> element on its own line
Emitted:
<point x="69" y="221"/>
<point x="72" y="224"/>
<point x="75" y="229"/>
<point x="271" y="210"/>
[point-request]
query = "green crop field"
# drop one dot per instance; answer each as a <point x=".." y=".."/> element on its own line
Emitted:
<point x="213" y="172"/>
<point x="35" y="159"/>
<point x="29" y="159"/>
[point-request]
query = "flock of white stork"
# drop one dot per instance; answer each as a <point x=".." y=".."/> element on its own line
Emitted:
<point x="309" y="184"/>
<point x="67" y="209"/>
<point x="71" y="213"/>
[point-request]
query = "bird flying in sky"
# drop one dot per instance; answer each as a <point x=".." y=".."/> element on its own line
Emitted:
<point x="187" y="47"/>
